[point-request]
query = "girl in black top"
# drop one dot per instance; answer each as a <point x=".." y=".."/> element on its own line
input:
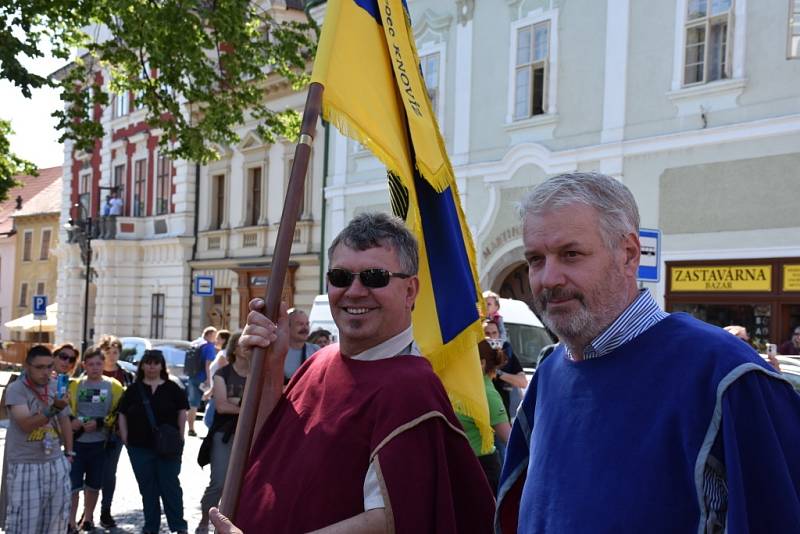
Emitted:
<point x="156" y="475"/>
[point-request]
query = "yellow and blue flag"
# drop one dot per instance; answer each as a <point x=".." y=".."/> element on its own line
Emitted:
<point x="374" y="92"/>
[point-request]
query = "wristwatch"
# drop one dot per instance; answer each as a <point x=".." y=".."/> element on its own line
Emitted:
<point x="70" y="453"/>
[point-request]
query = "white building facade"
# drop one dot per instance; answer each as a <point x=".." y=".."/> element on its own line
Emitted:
<point x="693" y="104"/>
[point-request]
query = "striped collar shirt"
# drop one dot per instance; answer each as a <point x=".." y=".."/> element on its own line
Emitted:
<point x="642" y="314"/>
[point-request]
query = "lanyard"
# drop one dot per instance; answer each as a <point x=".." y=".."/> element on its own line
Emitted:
<point x="44" y="398"/>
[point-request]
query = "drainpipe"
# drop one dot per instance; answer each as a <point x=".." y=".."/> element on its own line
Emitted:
<point x="194" y="245"/>
<point x="324" y="208"/>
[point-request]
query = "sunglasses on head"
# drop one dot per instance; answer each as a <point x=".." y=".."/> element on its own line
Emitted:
<point x="372" y="278"/>
<point x="495" y="343"/>
<point x="70" y="359"/>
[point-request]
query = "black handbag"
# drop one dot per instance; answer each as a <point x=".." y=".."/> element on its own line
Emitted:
<point x="168" y="439"/>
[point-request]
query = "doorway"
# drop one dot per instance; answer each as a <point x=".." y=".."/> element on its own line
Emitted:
<point x="515" y="284"/>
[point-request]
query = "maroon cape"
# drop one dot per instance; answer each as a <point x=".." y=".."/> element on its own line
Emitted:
<point x="309" y="462"/>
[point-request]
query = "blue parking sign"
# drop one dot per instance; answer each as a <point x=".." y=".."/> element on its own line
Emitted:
<point x="40" y="307"/>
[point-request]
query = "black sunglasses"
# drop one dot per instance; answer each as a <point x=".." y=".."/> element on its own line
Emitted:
<point x="373" y="278"/>
<point x="70" y="359"/>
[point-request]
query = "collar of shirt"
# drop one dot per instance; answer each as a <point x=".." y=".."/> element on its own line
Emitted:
<point x="401" y="344"/>
<point x="637" y="318"/>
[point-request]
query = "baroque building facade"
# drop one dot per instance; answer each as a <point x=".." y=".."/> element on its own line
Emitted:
<point x="179" y="221"/>
<point x="693" y="104"/>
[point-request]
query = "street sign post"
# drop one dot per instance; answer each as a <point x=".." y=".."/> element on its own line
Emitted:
<point x="204" y="286"/>
<point x="40" y="307"/>
<point x="650" y="262"/>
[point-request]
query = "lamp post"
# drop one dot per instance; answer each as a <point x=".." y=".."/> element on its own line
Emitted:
<point x="81" y="232"/>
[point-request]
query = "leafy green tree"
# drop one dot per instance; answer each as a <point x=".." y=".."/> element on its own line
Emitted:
<point x="10" y="165"/>
<point x="198" y="67"/>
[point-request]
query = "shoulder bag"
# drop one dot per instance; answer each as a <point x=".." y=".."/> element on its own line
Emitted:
<point x="168" y="439"/>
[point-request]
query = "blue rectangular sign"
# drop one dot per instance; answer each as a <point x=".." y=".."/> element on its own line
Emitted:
<point x="650" y="262"/>
<point x="40" y="307"/>
<point x="204" y="286"/>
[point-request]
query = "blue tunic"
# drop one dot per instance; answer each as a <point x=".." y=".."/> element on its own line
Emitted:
<point x="620" y="443"/>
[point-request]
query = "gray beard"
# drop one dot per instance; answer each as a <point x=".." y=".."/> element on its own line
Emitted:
<point x="575" y="329"/>
<point x="578" y="329"/>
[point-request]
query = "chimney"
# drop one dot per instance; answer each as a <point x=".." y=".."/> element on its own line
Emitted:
<point x="19" y="203"/>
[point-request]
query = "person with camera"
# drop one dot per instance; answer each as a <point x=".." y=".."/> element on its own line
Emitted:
<point x="36" y="487"/>
<point x="152" y="417"/>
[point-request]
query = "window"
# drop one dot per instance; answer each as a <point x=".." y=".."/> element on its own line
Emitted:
<point x="163" y="185"/>
<point x="531" y="72"/>
<point x="40" y="288"/>
<point x="707" y="48"/>
<point x="85" y="192"/>
<point x="44" y="252"/>
<point x="794" y="29"/>
<point x="217" y="201"/>
<point x="305" y="207"/>
<point x="429" y="65"/>
<point x="119" y="179"/>
<point x="254" y="200"/>
<point x="144" y="75"/>
<point x="121" y="105"/>
<point x="157" y="316"/>
<point x="139" y="186"/>
<point x="27" y="245"/>
<point x="23" y="295"/>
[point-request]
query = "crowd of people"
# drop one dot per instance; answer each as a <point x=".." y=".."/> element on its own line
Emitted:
<point x="95" y="408"/>
<point x="637" y="421"/>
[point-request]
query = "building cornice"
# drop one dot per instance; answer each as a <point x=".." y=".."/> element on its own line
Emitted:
<point x="566" y="160"/>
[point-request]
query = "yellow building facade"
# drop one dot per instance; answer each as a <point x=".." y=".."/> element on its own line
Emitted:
<point x="36" y="265"/>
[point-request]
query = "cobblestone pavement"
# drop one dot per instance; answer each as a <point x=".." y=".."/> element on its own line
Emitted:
<point x="127" y="506"/>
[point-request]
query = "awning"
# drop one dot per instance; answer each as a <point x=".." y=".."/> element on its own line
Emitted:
<point x="27" y="323"/>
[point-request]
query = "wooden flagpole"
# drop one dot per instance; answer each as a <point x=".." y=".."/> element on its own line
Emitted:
<point x="250" y="420"/>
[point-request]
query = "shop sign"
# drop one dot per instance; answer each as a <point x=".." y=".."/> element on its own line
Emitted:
<point x="722" y="278"/>
<point x="791" y="277"/>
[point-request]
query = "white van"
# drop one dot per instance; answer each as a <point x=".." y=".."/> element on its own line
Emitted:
<point x="525" y="332"/>
<point x="320" y="317"/>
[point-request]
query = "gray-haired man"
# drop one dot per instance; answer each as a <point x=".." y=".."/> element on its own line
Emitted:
<point x="640" y="421"/>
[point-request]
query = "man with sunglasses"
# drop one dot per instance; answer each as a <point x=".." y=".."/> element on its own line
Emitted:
<point x="363" y="439"/>
<point x="37" y="486"/>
